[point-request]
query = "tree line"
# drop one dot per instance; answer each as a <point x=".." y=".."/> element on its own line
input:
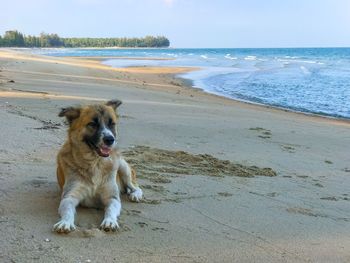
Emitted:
<point x="13" y="38"/>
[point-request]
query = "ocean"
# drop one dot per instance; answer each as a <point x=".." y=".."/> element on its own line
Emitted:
<point x="309" y="80"/>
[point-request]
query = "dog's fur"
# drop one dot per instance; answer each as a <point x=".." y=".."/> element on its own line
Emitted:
<point x="90" y="170"/>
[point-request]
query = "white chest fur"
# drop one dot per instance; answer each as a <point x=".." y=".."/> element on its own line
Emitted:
<point x="97" y="178"/>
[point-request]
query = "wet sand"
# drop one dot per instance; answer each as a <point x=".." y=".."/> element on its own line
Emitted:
<point x="224" y="181"/>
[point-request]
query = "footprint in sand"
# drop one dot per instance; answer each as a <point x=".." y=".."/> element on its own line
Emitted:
<point x="87" y="233"/>
<point x="133" y="212"/>
<point x="334" y="198"/>
<point x="151" y="201"/>
<point x="161" y="229"/>
<point x="330" y="198"/>
<point x="288" y="148"/>
<point x="155" y="188"/>
<point x="318" y="185"/>
<point x="39" y="182"/>
<point x="273" y="194"/>
<point x="225" y="194"/>
<point x="302" y="211"/>
<point x="303" y="176"/>
<point x="142" y="224"/>
<point x="263" y="133"/>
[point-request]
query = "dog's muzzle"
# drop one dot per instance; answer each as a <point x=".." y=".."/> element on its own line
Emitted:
<point x="108" y="141"/>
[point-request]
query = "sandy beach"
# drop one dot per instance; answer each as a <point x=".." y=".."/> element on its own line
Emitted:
<point x="253" y="184"/>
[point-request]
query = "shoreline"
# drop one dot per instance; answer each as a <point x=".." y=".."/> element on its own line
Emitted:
<point x="174" y="72"/>
<point x="100" y="58"/>
<point x="190" y="84"/>
<point x="278" y="108"/>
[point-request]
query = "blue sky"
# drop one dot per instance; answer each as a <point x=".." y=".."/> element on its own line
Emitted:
<point x="188" y="23"/>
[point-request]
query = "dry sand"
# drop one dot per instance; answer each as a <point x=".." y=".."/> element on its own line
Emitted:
<point x="252" y="184"/>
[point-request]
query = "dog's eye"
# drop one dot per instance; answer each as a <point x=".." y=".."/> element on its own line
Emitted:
<point x="111" y="123"/>
<point x="92" y="124"/>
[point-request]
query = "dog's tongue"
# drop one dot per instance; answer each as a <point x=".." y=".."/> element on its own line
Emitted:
<point x="105" y="150"/>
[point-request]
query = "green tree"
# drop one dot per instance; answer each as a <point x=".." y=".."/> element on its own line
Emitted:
<point x="13" y="38"/>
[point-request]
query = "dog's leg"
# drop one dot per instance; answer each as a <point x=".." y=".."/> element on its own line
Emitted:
<point x="110" y="198"/>
<point x="67" y="212"/>
<point x="129" y="179"/>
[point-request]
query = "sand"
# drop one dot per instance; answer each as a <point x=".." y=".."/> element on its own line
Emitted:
<point x="224" y="181"/>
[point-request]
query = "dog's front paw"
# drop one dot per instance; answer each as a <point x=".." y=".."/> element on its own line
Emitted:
<point x="136" y="195"/>
<point x="109" y="224"/>
<point x="64" y="226"/>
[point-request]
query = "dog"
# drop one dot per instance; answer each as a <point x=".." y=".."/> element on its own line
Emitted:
<point x="90" y="170"/>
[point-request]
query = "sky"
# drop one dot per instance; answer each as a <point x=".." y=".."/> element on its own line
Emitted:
<point x="188" y="23"/>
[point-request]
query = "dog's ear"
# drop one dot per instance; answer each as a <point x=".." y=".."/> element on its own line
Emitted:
<point x="71" y="113"/>
<point x="114" y="103"/>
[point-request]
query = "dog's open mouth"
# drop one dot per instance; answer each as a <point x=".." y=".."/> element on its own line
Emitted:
<point x="103" y="150"/>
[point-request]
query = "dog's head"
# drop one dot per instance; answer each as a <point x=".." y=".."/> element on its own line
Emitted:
<point x="93" y="127"/>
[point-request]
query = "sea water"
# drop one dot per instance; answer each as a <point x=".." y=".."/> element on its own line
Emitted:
<point x="310" y="80"/>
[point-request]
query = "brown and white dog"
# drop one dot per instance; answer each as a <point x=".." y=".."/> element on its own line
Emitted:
<point x="90" y="170"/>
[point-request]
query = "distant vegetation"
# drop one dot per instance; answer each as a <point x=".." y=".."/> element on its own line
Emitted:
<point x="14" y="38"/>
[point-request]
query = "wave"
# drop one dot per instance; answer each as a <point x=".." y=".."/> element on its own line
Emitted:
<point x="301" y="61"/>
<point x="171" y="55"/>
<point x="250" y="58"/>
<point x="228" y="56"/>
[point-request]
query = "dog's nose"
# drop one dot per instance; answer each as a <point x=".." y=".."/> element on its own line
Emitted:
<point x="108" y="140"/>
